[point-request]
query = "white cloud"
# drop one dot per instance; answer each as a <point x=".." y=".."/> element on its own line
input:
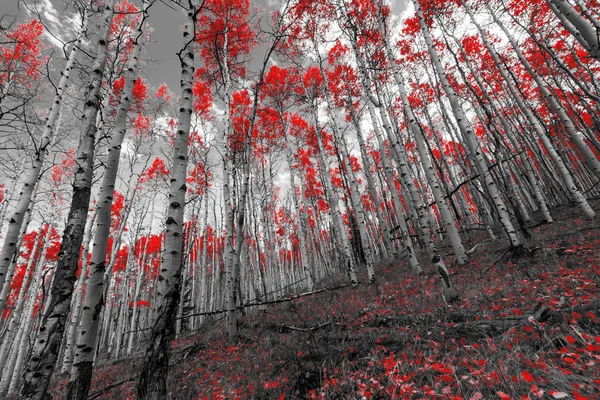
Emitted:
<point x="59" y="27"/>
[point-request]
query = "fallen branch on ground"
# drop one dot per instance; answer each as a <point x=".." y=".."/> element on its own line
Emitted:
<point x="309" y="329"/>
<point x="277" y="301"/>
<point x="497" y="261"/>
<point x="469" y="324"/>
<point x="108" y="388"/>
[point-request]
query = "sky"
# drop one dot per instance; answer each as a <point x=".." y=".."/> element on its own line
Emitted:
<point x="163" y="66"/>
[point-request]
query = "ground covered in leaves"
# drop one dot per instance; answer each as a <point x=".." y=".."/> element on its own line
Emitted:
<point x="524" y="328"/>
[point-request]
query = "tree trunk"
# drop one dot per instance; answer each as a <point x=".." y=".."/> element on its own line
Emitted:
<point x="81" y="374"/>
<point x="10" y="241"/>
<point x="153" y="379"/>
<point x="468" y="134"/>
<point x="71" y="340"/>
<point x="42" y="360"/>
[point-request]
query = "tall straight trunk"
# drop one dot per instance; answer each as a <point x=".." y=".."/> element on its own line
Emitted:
<point x="296" y="209"/>
<point x="468" y="134"/>
<point x="229" y="255"/>
<point x="42" y="360"/>
<point x="358" y="208"/>
<point x="576" y="137"/>
<point x="565" y="175"/>
<point x="71" y="340"/>
<point x="81" y="374"/>
<point x="138" y="285"/>
<point x="153" y="379"/>
<point x="582" y="30"/>
<point x="398" y="209"/>
<point x="9" y="194"/>
<point x="10" y="241"/>
<point x="432" y="178"/>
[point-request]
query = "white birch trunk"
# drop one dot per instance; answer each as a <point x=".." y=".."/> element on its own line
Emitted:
<point x="153" y="380"/>
<point x="468" y="134"/>
<point x="43" y="358"/>
<point x="10" y="241"/>
<point x="565" y="175"/>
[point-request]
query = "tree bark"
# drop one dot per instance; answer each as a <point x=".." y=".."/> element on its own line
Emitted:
<point x="42" y="360"/>
<point x="81" y="374"/>
<point x="10" y="241"/>
<point x="155" y="369"/>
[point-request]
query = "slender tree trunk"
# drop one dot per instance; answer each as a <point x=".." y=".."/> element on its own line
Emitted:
<point x="81" y="375"/>
<point x="10" y="241"/>
<point x="296" y="209"/>
<point x="153" y="379"/>
<point x="42" y="360"/>
<point x="574" y="22"/>
<point x="566" y="176"/>
<point x="78" y="298"/>
<point x="15" y="257"/>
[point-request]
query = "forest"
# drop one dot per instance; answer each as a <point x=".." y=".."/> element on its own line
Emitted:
<point x="342" y="199"/>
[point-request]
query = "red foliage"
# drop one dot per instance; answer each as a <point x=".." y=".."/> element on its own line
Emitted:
<point x="21" y="58"/>
<point x="121" y="259"/>
<point x="139" y="92"/>
<point x="142" y="125"/>
<point x="157" y="171"/>
<point x="202" y="94"/>
<point x="223" y="19"/>
<point x="198" y="179"/>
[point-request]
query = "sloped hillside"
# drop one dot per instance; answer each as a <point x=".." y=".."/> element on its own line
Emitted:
<point x="523" y="328"/>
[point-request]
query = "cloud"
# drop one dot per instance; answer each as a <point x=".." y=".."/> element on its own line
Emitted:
<point x="59" y="27"/>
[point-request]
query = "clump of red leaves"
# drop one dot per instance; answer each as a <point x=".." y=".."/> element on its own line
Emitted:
<point x="397" y="339"/>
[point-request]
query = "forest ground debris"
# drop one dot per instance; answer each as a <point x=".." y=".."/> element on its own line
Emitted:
<point x="398" y="340"/>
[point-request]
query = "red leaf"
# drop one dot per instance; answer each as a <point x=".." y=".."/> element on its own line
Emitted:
<point x="527" y="376"/>
<point x="503" y="395"/>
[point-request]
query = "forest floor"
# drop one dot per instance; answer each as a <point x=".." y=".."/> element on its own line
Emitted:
<point x="524" y="328"/>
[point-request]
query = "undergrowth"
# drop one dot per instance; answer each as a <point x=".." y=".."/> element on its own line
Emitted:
<point x="527" y="328"/>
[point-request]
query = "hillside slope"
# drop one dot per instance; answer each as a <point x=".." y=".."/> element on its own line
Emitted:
<point x="523" y="328"/>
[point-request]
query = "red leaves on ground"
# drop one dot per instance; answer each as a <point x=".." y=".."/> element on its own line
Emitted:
<point x="527" y="377"/>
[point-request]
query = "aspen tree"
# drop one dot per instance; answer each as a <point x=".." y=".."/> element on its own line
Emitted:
<point x="81" y="375"/>
<point x="9" y="247"/>
<point x="77" y="302"/>
<point x="43" y="358"/>
<point x="566" y="176"/>
<point x="152" y="383"/>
